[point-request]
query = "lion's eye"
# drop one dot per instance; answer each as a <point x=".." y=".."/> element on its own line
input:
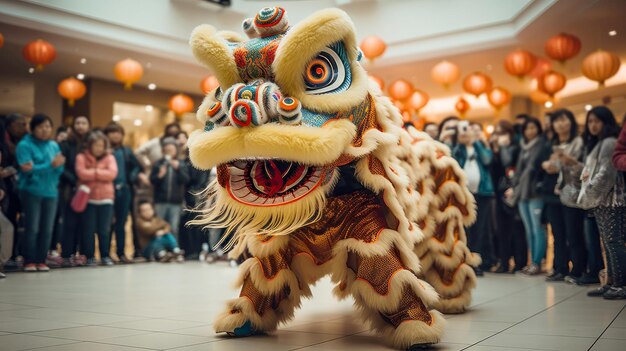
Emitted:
<point x="328" y="72"/>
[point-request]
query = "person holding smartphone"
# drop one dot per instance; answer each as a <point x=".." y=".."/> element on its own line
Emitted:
<point x="169" y="176"/>
<point x="41" y="164"/>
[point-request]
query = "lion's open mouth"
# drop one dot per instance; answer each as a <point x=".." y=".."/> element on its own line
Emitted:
<point x="270" y="182"/>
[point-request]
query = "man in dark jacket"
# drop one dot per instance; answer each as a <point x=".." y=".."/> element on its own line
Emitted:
<point x="128" y="173"/>
<point x="169" y="176"/>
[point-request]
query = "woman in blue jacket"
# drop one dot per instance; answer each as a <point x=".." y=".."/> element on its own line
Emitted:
<point x="41" y="164"/>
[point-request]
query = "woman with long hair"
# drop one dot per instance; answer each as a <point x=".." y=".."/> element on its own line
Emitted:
<point x="68" y="221"/>
<point x="603" y="190"/>
<point x="524" y="193"/>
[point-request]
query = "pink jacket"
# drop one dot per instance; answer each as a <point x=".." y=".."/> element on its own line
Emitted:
<point x="98" y="175"/>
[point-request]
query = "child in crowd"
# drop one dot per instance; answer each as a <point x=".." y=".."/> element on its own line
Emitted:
<point x="169" y="176"/>
<point x="155" y="236"/>
<point x="96" y="168"/>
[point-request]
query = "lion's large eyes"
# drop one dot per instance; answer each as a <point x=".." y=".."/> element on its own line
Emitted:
<point x="328" y="72"/>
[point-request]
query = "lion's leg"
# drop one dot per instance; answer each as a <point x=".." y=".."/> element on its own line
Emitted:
<point x="269" y="296"/>
<point x="389" y="294"/>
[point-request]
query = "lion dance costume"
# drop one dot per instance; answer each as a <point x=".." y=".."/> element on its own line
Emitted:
<point x="316" y="176"/>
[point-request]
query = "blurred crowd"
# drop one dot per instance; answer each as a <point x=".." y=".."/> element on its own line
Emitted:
<point x="68" y="194"/>
<point x="530" y="179"/>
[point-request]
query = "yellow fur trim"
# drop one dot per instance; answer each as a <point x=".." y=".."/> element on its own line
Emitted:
<point x="457" y="304"/>
<point x="307" y="145"/>
<point x="211" y="49"/>
<point x="244" y="220"/>
<point x="228" y="321"/>
<point x="463" y="278"/>
<point x="251" y="268"/>
<point x="302" y="43"/>
<point x="408" y="333"/>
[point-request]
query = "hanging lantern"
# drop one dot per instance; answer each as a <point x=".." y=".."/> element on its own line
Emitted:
<point x="542" y="66"/>
<point x="520" y="63"/>
<point x="399" y="105"/>
<point x="373" y="47"/>
<point x="128" y="71"/>
<point x="1" y="40"/>
<point x="40" y="53"/>
<point x="445" y="73"/>
<point x="209" y="84"/>
<point x="400" y="89"/>
<point x="462" y="106"/>
<point x="498" y="97"/>
<point x="539" y="97"/>
<point x="180" y="104"/>
<point x="562" y="47"/>
<point x="551" y="82"/>
<point x="71" y="89"/>
<point x="477" y="83"/>
<point x="600" y="66"/>
<point x="417" y="100"/>
<point x="378" y="81"/>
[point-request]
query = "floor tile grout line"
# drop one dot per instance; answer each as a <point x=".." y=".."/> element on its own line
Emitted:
<point x="323" y="342"/>
<point x="41" y="347"/>
<point x="523" y="320"/>
<point x="607" y="327"/>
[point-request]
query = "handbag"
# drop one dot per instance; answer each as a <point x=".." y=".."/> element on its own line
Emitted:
<point x="572" y="185"/>
<point x="584" y="201"/>
<point x="80" y="199"/>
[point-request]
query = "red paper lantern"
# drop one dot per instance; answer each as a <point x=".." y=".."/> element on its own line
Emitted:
<point x="180" y="104"/>
<point x="477" y="83"/>
<point x="445" y="73"/>
<point x="209" y="84"/>
<point x="462" y="106"/>
<point x="40" y="53"/>
<point x="498" y="97"/>
<point x="378" y="81"/>
<point x="1" y="40"/>
<point x="562" y="47"/>
<point x="539" y="97"/>
<point x="373" y="47"/>
<point x="400" y="89"/>
<point x="542" y="66"/>
<point x="600" y="66"/>
<point x="71" y="89"/>
<point x="520" y="63"/>
<point x="417" y="100"/>
<point x="551" y="82"/>
<point x="128" y="71"/>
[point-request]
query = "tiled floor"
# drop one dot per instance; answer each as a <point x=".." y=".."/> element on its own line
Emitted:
<point x="163" y="307"/>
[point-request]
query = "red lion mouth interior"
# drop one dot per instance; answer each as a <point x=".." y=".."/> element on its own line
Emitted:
<point x="271" y="182"/>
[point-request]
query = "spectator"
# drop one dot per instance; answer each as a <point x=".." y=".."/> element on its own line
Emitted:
<point x="431" y="129"/>
<point x="567" y="222"/>
<point x="523" y="192"/>
<point x="96" y="168"/>
<point x="169" y="176"/>
<point x="6" y="227"/>
<point x="155" y="236"/>
<point x="41" y="164"/>
<point x="508" y="224"/>
<point x="603" y="190"/>
<point x="129" y="171"/>
<point x="69" y="223"/>
<point x="150" y="152"/>
<point x="474" y="157"/>
<point x="619" y="156"/>
<point x="448" y="131"/>
<point x="13" y="131"/>
<point x="192" y="237"/>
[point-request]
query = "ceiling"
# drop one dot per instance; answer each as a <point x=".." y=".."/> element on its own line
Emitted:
<point x="476" y="35"/>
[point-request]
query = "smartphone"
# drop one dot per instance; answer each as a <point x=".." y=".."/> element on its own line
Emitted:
<point x="463" y="126"/>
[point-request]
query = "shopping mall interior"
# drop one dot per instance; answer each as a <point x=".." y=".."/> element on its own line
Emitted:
<point x="312" y="175"/>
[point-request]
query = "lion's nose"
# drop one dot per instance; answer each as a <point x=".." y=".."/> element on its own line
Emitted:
<point x="251" y="105"/>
